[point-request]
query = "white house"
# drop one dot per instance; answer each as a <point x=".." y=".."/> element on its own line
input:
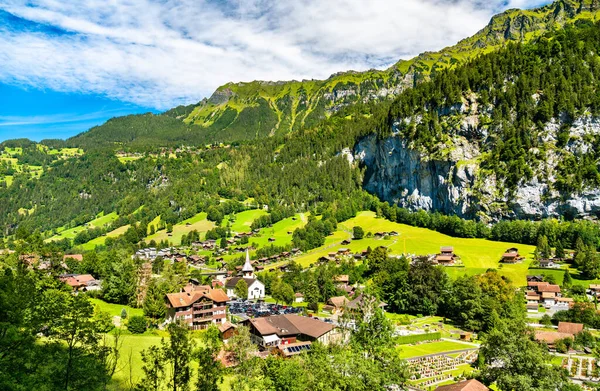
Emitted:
<point x="256" y="289"/>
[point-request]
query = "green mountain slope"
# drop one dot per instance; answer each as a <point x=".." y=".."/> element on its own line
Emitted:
<point x="258" y="109"/>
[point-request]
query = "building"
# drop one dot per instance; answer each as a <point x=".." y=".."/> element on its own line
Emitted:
<point x="547" y="263"/>
<point x="81" y="282"/>
<point x="298" y="297"/>
<point x="565" y="330"/>
<point x="198" y="307"/>
<point x="275" y="330"/>
<point x="511" y="255"/>
<point x="256" y="289"/>
<point x="446" y="256"/>
<point x="227" y="331"/>
<point x="337" y="303"/>
<point x="467" y="385"/>
<point x="570" y="328"/>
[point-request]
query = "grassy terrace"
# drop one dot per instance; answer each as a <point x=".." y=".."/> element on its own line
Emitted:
<point x="197" y="222"/>
<point x="101" y="221"/>
<point x="409" y="351"/>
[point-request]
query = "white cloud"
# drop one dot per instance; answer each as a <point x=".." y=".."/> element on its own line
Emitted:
<point x="162" y="53"/>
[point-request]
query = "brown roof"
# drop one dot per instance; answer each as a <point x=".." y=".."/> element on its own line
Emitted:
<point x="565" y="299"/>
<point x="548" y="295"/>
<point x="549" y="288"/>
<point x="357" y="302"/>
<point x="447" y="249"/>
<point x="510" y="255"/>
<point x="595" y="287"/>
<point x="467" y="385"/>
<point x="537" y="283"/>
<point x="338" y="301"/>
<point x="77" y="280"/>
<point x="342" y="278"/>
<point x="185" y="299"/>
<point x="285" y="325"/>
<point x="533" y="297"/>
<point x="550" y="336"/>
<point x="226" y="326"/>
<point x="444" y="258"/>
<point x="570" y="328"/>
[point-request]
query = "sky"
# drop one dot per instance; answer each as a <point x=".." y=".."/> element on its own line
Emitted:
<point x="67" y="65"/>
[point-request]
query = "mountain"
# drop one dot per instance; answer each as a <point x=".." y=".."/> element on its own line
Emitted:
<point x="258" y="109"/>
<point x="244" y="111"/>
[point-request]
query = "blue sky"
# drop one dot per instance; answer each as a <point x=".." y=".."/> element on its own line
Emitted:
<point x="68" y="65"/>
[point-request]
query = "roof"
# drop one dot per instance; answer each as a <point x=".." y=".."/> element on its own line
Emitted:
<point x="247" y="266"/>
<point x="186" y="299"/>
<point x="548" y="295"/>
<point x="342" y="278"/>
<point x="595" y="287"/>
<point x="565" y="299"/>
<point x="467" y="385"/>
<point x="232" y="282"/>
<point x="447" y="249"/>
<point x="76" y="280"/>
<point x="357" y="302"/>
<point x="293" y="349"/>
<point x="533" y="297"/>
<point x="510" y="255"/>
<point x="570" y="328"/>
<point x="550" y="336"/>
<point x="284" y="325"/>
<point x="444" y="258"/>
<point x="338" y="301"/>
<point x="226" y="326"/>
<point x="549" y="288"/>
<point x="537" y="283"/>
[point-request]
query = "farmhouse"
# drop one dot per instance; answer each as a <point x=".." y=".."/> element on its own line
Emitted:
<point x="446" y="256"/>
<point x="256" y="289"/>
<point x="511" y="255"/>
<point x="81" y="282"/>
<point x="272" y="331"/>
<point x="338" y="303"/>
<point x="227" y="331"/>
<point x="565" y="330"/>
<point x="198" y="308"/>
<point x="467" y="385"/>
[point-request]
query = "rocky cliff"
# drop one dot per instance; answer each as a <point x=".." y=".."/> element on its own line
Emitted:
<point x="452" y="182"/>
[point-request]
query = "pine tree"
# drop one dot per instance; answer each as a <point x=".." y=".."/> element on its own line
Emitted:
<point x="559" y="251"/>
<point x="567" y="280"/>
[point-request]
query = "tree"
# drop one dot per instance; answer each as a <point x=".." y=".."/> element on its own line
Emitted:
<point x="358" y="232"/>
<point x="178" y="352"/>
<point x="567" y="280"/>
<point x="546" y="320"/>
<point x="591" y="264"/>
<point x="103" y="320"/>
<point x="248" y="367"/>
<point x="559" y="251"/>
<point x="154" y="369"/>
<point x="515" y="361"/>
<point x="241" y="289"/>
<point x="543" y="250"/>
<point x="373" y="330"/>
<point x="282" y="292"/>
<point x="154" y="302"/>
<point x="223" y="243"/>
<point x="123" y="313"/>
<point x="210" y="370"/>
<point x="137" y="324"/>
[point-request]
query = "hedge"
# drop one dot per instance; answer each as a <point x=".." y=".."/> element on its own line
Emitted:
<point x="413" y="338"/>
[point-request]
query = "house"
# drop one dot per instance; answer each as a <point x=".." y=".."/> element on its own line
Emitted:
<point x="345" y="242"/>
<point x="546" y="263"/>
<point x="594" y="289"/>
<point x="275" y="330"/>
<point x="256" y="289"/>
<point x="532" y="307"/>
<point x="358" y="302"/>
<point x="533" y="285"/>
<point x="549" y="288"/>
<point x="511" y="255"/>
<point x="447" y="250"/>
<point x="81" y="282"/>
<point x="342" y="279"/>
<point x="298" y="297"/>
<point x="293" y="349"/>
<point x="549" y="299"/>
<point x="198" y="308"/>
<point x="565" y="330"/>
<point x="343" y="251"/>
<point x="227" y="331"/>
<point x="536" y="278"/>
<point x="466" y="385"/>
<point x="446" y="256"/>
<point x="338" y="303"/>
<point x="533" y="298"/>
<point x="564" y="303"/>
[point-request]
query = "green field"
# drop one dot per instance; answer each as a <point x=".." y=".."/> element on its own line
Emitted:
<point x="197" y="222"/>
<point x="477" y="255"/>
<point x="243" y="220"/>
<point x="99" y="241"/>
<point x="100" y="221"/>
<point x="279" y="231"/>
<point x="409" y="351"/>
<point x="115" y="309"/>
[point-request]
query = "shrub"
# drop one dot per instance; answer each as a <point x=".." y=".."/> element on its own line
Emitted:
<point x="137" y="324"/>
<point x="123" y="313"/>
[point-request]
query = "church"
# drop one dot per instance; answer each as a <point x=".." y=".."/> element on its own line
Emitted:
<point x="256" y="289"/>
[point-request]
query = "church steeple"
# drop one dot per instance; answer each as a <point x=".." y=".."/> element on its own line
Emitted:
<point x="248" y="270"/>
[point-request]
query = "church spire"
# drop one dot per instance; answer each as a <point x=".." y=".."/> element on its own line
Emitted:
<point x="248" y="270"/>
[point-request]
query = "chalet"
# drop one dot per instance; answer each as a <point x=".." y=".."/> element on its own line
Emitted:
<point x="275" y="330"/>
<point x="565" y="330"/>
<point x="533" y="299"/>
<point x="549" y="288"/>
<point x="564" y="303"/>
<point x="536" y="278"/>
<point x="332" y="255"/>
<point x="272" y="239"/>
<point x="511" y="255"/>
<point x="533" y="285"/>
<point x="532" y="307"/>
<point x="338" y="303"/>
<point x="342" y="279"/>
<point x="594" y="289"/>
<point x="445" y="259"/>
<point x="197" y="308"/>
<point x="348" y="289"/>
<point x="466" y="385"/>
<point x="546" y="263"/>
<point x="549" y="299"/>
<point x="357" y="303"/>
<point x="447" y="250"/>
<point x="343" y="251"/>
<point x="346" y="242"/>
<point x="379" y="235"/>
<point x="227" y="331"/>
<point x="256" y="289"/>
<point x="81" y="282"/>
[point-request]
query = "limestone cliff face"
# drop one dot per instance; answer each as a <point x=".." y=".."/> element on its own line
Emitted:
<point x="455" y="184"/>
